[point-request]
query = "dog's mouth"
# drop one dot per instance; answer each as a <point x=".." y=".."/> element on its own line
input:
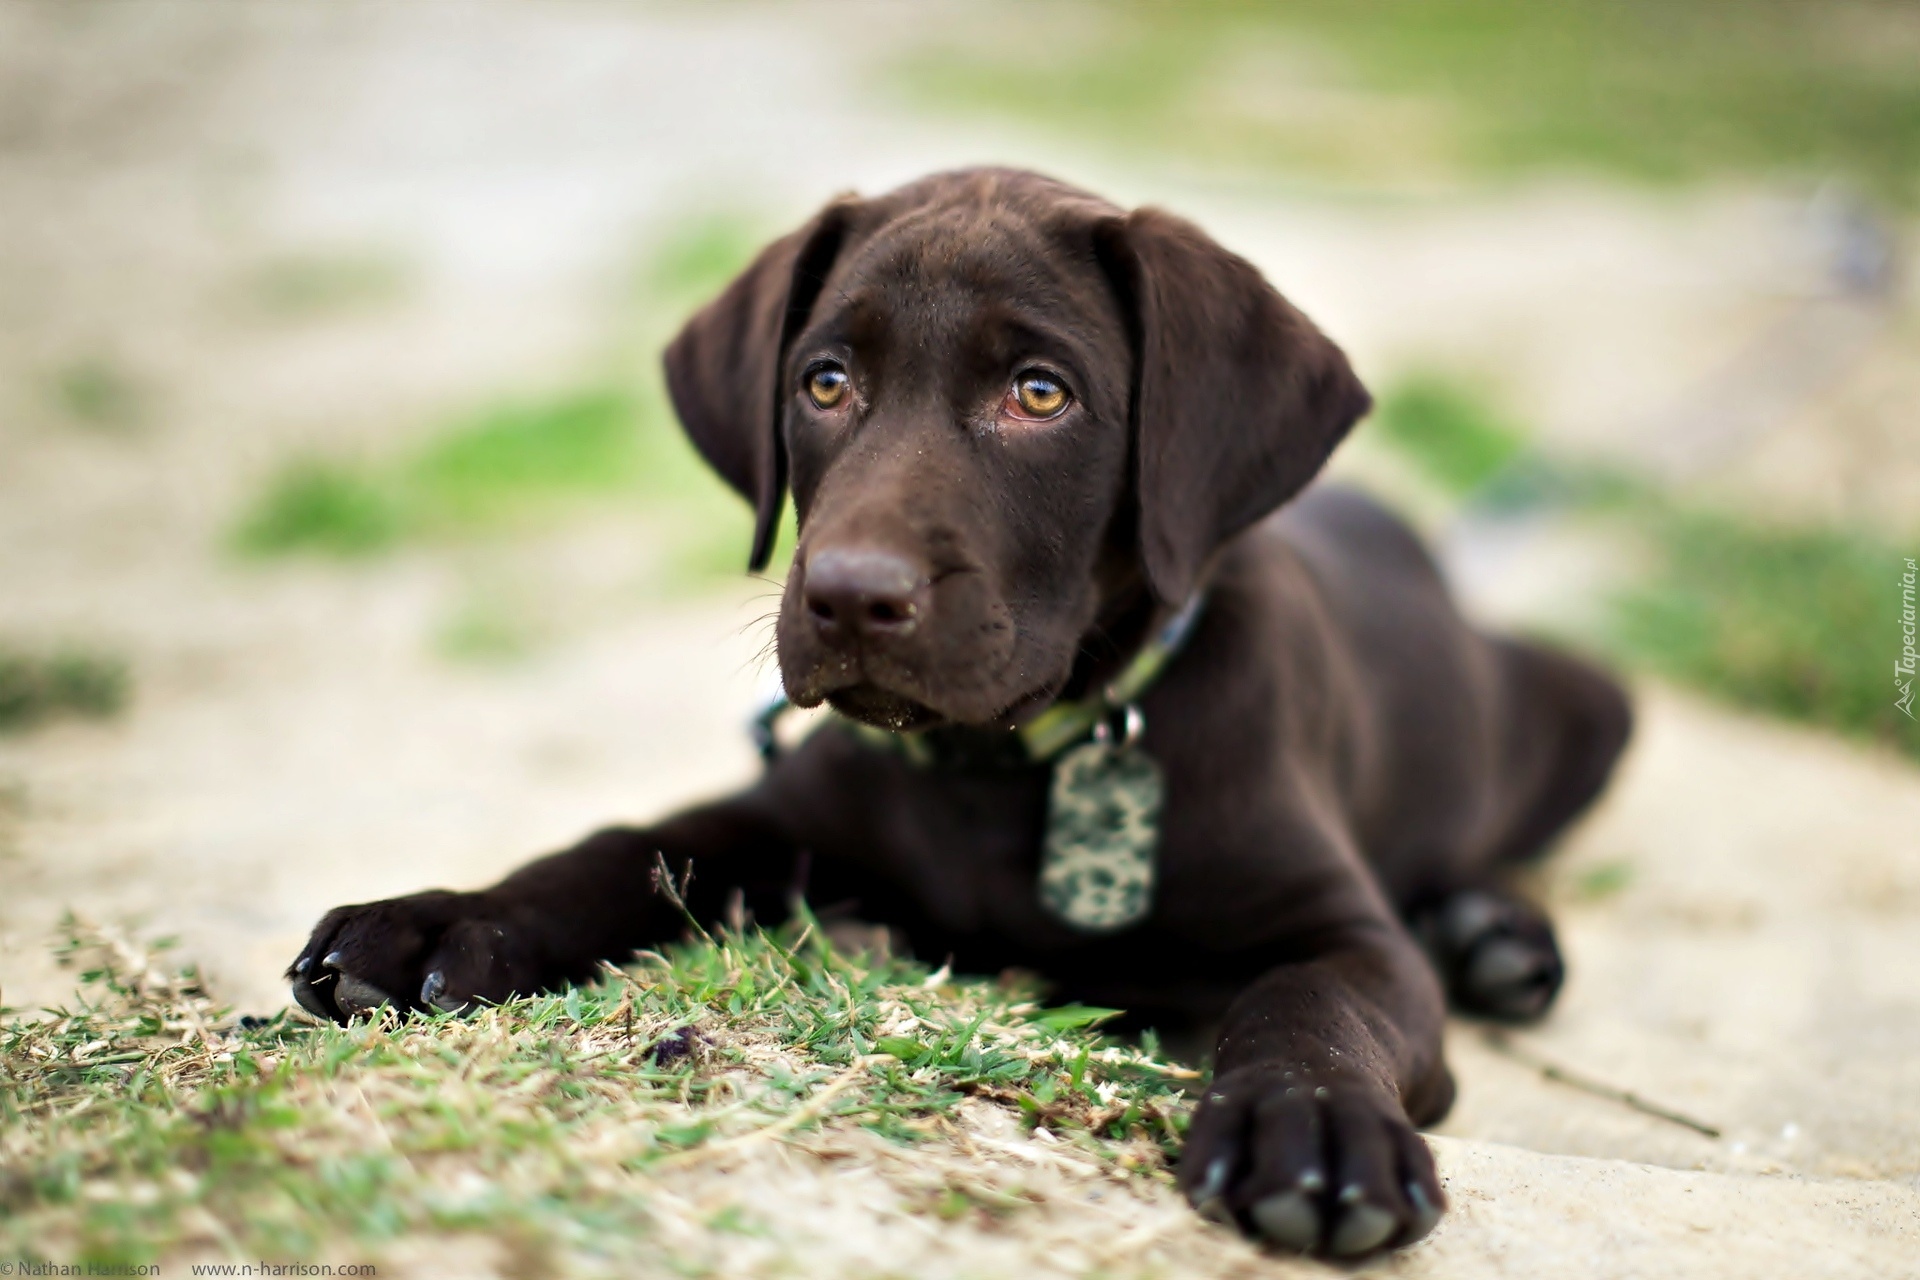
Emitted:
<point x="883" y="709"/>
<point x="904" y="689"/>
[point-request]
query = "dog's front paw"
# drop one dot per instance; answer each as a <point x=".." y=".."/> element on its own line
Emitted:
<point x="1333" y="1169"/>
<point x="431" y="950"/>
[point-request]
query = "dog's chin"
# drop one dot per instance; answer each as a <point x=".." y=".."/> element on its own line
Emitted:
<point x="870" y="704"/>
<point x="884" y="709"/>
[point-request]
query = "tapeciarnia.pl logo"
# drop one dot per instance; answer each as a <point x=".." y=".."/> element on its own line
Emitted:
<point x="1903" y="665"/>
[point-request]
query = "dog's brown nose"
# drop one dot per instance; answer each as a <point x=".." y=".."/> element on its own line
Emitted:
<point x="864" y="592"/>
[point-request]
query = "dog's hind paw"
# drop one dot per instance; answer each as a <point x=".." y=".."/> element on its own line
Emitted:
<point x="1495" y="952"/>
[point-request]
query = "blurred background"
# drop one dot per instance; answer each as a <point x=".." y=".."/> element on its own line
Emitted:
<point x="347" y="545"/>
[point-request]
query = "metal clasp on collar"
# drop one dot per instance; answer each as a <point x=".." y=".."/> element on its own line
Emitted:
<point x="1121" y="726"/>
<point x="772" y="705"/>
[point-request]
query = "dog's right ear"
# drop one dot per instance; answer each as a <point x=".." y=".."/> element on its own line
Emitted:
<point x="723" y="370"/>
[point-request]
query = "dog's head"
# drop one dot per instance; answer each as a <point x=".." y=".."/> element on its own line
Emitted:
<point x="1008" y="412"/>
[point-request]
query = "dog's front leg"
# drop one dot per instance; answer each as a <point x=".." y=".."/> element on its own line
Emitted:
<point x="547" y="924"/>
<point x="1306" y="1134"/>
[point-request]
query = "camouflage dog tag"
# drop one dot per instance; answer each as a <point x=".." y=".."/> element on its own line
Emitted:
<point x="1103" y="829"/>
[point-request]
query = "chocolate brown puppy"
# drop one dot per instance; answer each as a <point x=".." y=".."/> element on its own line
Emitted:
<point x="1118" y="702"/>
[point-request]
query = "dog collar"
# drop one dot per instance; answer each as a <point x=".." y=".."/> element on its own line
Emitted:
<point x="1114" y="710"/>
<point x="1099" y="853"/>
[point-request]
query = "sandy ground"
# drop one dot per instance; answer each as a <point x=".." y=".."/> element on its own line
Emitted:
<point x="296" y="740"/>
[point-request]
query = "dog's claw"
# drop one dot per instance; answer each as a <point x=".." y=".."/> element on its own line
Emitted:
<point x="433" y="992"/>
<point x="303" y="964"/>
<point x="1206" y="1198"/>
<point x="1426" y="1214"/>
<point x="1213" y="1184"/>
<point x="1289" y="1220"/>
<point x="332" y="960"/>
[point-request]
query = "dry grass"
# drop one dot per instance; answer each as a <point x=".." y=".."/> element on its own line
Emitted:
<point x="652" y="1120"/>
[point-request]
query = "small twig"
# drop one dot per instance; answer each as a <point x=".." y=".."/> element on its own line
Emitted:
<point x="1500" y="1042"/>
<point x="1167" y="1069"/>
<point x="677" y="894"/>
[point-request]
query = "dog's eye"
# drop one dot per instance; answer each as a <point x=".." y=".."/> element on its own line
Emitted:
<point x="827" y="385"/>
<point x="1038" y="395"/>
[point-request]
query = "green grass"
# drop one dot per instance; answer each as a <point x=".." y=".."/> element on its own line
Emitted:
<point x="318" y="505"/>
<point x="1794" y="621"/>
<point x="1659" y="90"/>
<point x="308" y="285"/>
<point x="496" y="468"/>
<point x="527" y="461"/>
<point x="35" y="688"/>
<point x="693" y="258"/>
<point x="588" y="442"/>
<point x="509" y="468"/>
<point x="97" y="392"/>
<point x="487" y="628"/>
<point x="1603" y="881"/>
<point x="1801" y="623"/>
<point x="144" y="1122"/>
<point x="1447" y="431"/>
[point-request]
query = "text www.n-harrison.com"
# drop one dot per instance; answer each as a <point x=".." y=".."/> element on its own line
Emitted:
<point x="281" y="1269"/>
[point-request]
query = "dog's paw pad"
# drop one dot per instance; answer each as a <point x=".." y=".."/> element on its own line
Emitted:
<point x="355" y="996"/>
<point x="314" y="997"/>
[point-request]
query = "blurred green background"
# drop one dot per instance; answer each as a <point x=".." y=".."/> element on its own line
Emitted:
<point x="348" y="545"/>
<point x="1407" y="115"/>
<point x="1405" y="91"/>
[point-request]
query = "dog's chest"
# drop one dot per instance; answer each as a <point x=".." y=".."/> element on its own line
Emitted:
<point x="967" y="848"/>
<point x="1049" y="855"/>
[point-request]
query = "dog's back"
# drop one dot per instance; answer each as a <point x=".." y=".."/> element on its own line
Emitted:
<point x="1476" y="749"/>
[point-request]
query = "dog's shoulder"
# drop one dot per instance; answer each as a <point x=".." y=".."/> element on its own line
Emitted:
<point x="1335" y="524"/>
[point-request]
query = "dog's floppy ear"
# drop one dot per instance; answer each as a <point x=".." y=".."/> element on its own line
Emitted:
<point x="1238" y="398"/>
<point x="723" y="370"/>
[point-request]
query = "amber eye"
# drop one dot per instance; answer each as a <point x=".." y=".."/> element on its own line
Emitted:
<point x="827" y="385"/>
<point x="1039" y="395"/>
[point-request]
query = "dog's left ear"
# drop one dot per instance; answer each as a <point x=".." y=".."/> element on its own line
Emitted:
<point x="1238" y="398"/>
<point x="723" y="370"/>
